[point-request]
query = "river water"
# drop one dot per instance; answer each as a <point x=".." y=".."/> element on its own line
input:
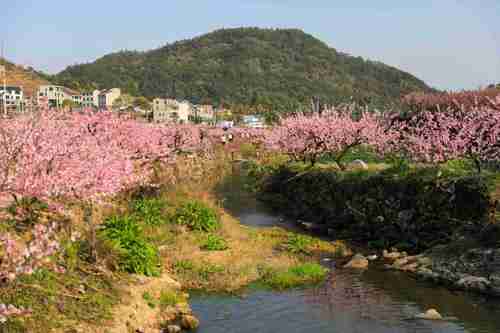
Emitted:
<point x="371" y="301"/>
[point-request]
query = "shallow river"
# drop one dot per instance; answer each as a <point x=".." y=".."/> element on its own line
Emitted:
<point x="373" y="301"/>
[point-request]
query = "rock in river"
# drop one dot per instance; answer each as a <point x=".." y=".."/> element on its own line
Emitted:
<point x="189" y="322"/>
<point x="358" y="261"/>
<point x="430" y="314"/>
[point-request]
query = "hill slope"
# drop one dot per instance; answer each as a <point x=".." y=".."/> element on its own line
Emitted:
<point x="248" y="66"/>
<point x="27" y="78"/>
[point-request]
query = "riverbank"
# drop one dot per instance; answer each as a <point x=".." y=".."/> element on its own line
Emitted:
<point x="446" y="218"/>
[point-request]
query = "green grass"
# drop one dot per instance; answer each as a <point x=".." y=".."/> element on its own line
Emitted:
<point x="150" y="210"/>
<point x="299" y="244"/>
<point x="137" y="255"/>
<point x="60" y="300"/>
<point x="214" y="243"/>
<point x="197" y="216"/>
<point x="297" y="276"/>
<point x="170" y="298"/>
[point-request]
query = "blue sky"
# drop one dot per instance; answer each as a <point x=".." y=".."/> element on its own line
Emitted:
<point x="450" y="44"/>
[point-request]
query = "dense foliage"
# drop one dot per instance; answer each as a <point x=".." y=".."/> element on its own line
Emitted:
<point x="413" y="210"/>
<point x="270" y="68"/>
<point x="137" y="255"/>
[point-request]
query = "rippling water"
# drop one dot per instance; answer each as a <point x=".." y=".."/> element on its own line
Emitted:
<point x="372" y="301"/>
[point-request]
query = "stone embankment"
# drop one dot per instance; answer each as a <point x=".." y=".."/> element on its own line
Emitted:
<point x="474" y="269"/>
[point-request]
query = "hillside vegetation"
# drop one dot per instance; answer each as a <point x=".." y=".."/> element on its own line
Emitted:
<point x="248" y="66"/>
<point x="27" y="78"/>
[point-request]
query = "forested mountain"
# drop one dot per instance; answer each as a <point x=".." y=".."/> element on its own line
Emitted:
<point x="248" y="66"/>
<point x="27" y="78"/>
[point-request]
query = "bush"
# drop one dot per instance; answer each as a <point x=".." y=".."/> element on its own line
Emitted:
<point x="136" y="254"/>
<point x="297" y="276"/>
<point x="214" y="243"/>
<point x="150" y="211"/>
<point x="298" y="243"/>
<point x="197" y="216"/>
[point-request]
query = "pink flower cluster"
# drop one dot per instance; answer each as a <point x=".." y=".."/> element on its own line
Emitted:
<point x="436" y="137"/>
<point x="488" y="98"/>
<point x="307" y="137"/>
<point x="84" y="155"/>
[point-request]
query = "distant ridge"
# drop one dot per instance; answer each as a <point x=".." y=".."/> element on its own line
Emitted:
<point x="251" y="66"/>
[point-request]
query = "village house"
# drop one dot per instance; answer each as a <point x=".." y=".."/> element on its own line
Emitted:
<point x="171" y="110"/>
<point x="107" y="97"/>
<point x="90" y="98"/>
<point x="53" y="96"/>
<point x="13" y="96"/>
<point x="204" y="113"/>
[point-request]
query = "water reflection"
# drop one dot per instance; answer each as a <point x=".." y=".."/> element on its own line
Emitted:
<point x="348" y="302"/>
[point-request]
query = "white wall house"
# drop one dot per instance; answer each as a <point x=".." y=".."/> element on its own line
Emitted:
<point x="90" y="98"/>
<point x="108" y="97"/>
<point x="204" y="113"/>
<point x="171" y="110"/>
<point x="13" y="96"/>
<point x="53" y="95"/>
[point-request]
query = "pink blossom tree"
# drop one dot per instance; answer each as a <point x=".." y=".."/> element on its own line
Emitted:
<point x="307" y="137"/>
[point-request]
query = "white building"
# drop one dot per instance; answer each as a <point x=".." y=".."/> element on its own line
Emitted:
<point x="204" y="113"/>
<point x="171" y="110"/>
<point x="90" y="98"/>
<point x="13" y="96"/>
<point x="108" y="97"/>
<point x="53" y="95"/>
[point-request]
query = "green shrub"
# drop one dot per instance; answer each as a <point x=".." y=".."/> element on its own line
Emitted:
<point x="214" y="243"/>
<point x="197" y="216"/>
<point x="297" y="276"/>
<point x="150" y="210"/>
<point x="182" y="266"/>
<point x="136" y="254"/>
<point x="298" y="243"/>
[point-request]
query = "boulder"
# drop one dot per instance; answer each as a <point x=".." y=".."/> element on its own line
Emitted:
<point x="400" y="263"/>
<point x="183" y="308"/>
<point x="410" y="267"/>
<point x="189" y="322"/>
<point x="430" y="314"/>
<point x="391" y="255"/>
<point x="424" y="261"/>
<point x="474" y="282"/>
<point x="358" y="164"/>
<point x="173" y="329"/>
<point x="358" y="261"/>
